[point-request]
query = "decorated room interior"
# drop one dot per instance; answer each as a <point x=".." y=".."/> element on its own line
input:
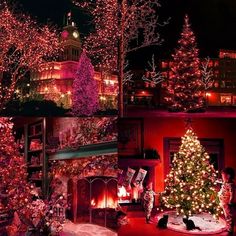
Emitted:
<point x="169" y="153"/>
<point x="58" y="175"/>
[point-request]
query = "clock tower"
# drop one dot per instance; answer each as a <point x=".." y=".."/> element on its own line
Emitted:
<point x="71" y="41"/>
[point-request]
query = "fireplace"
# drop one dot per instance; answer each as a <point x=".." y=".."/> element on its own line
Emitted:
<point x="93" y="200"/>
<point x="131" y="194"/>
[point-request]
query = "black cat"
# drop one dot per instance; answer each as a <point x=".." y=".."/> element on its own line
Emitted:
<point x="190" y="224"/>
<point x="162" y="223"/>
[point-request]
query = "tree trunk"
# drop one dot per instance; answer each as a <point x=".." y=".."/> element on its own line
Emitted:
<point x="121" y="59"/>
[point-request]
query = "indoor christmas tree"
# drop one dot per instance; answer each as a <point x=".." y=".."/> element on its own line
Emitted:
<point x="185" y="91"/>
<point x="190" y="185"/>
<point x="14" y="189"/>
<point x="85" y="89"/>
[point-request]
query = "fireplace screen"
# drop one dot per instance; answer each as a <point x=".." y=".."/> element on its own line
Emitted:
<point x="94" y="199"/>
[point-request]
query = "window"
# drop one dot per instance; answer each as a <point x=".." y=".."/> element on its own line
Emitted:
<point x="228" y="84"/>
<point x="222" y="84"/>
<point x="214" y="148"/>
<point x="234" y="100"/>
<point x="225" y="99"/>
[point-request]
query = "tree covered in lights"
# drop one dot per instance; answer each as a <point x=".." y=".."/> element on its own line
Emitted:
<point x="85" y="89"/>
<point x="24" y="45"/>
<point x="120" y="27"/>
<point x="185" y="91"/>
<point x="190" y="185"/>
<point x="14" y="189"/>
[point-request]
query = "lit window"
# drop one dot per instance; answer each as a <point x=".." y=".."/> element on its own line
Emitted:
<point x="234" y="100"/>
<point x="225" y="99"/>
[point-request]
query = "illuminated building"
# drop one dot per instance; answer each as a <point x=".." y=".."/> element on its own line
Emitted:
<point x="221" y="93"/>
<point x="223" y="90"/>
<point x="54" y="80"/>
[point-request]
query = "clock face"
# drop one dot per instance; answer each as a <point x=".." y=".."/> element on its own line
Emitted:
<point x="75" y="34"/>
<point x="64" y="34"/>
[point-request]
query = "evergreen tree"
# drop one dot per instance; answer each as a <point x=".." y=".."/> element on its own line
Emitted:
<point x="190" y="185"/>
<point x="184" y="87"/>
<point x="14" y="188"/>
<point x="85" y="89"/>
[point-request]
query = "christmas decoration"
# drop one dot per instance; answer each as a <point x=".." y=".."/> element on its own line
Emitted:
<point x="105" y="165"/>
<point x="120" y="27"/>
<point x="152" y="76"/>
<point x="14" y="188"/>
<point x="23" y="47"/>
<point x="190" y="185"/>
<point x="140" y="177"/>
<point x="128" y="178"/>
<point x="185" y="90"/>
<point x="41" y="216"/>
<point x="85" y="90"/>
<point x="16" y="194"/>
<point x="75" y="132"/>
<point x="207" y="73"/>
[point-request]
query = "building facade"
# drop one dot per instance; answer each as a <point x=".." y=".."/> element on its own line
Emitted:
<point x="221" y="92"/>
<point x="54" y="80"/>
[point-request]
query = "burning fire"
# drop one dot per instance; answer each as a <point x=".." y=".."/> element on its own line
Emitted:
<point x="93" y="204"/>
<point x="103" y="203"/>
<point x="122" y="193"/>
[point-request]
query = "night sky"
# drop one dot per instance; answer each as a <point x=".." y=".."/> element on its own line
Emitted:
<point x="213" y="22"/>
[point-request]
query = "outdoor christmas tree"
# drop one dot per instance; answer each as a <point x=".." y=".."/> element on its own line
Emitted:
<point x="14" y="189"/>
<point x="190" y="185"/>
<point x="85" y="89"/>
<point x="185" y="91"/>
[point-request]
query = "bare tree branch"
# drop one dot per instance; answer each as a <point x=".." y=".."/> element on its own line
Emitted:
<point x="152" y="75"/>
<point x="128" y="75"/>
<point x="207" y="74"/>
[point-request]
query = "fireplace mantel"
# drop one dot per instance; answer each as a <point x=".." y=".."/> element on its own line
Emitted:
<point x="96" y="149"/>
<point x="138" y="162"/>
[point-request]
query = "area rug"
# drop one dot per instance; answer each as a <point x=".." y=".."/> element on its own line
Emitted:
<point x="71" y="229"/>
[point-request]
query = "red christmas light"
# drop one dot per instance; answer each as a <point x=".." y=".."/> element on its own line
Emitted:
<point x="184" y="87"/>
<point x="23" y="46"/>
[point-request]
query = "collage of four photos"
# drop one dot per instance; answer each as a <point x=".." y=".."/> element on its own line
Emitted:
<point x="117" y="117"/>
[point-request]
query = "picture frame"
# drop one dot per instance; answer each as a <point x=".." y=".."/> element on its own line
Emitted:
<point x="130" y="137"/>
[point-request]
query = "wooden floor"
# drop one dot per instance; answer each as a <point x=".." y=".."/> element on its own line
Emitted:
<point x="138" y="227"/>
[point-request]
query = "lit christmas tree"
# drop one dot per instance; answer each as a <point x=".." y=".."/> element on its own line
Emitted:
<point x="85" y="89"/>
<point x="120" y="27"/>
<point x="14" y="189"/>
<point x="190" y="185"/>
<point x="185" y="91"/>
